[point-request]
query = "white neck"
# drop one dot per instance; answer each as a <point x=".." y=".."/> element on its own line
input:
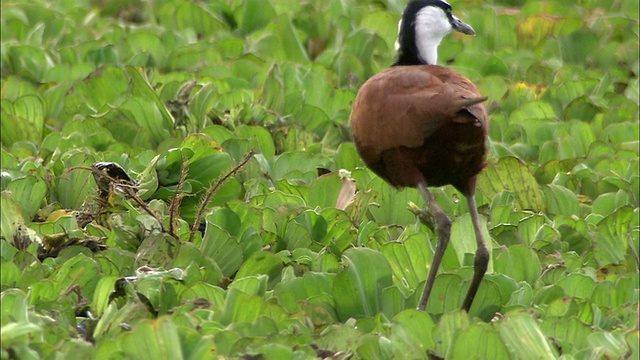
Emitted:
<point x="431" y="27"/>
<point x="428" y="51"/>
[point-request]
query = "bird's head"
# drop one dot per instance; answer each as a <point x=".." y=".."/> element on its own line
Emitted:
<point x="423" y="25"/>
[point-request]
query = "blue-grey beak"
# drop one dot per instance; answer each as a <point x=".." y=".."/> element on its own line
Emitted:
<point x="458" y="25"/>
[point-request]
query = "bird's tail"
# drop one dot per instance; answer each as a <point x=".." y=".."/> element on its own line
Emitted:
<point x="465" y="102"/>
<point x="465" y="105"/>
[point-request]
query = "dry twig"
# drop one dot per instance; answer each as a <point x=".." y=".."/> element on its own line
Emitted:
<point x="212" y="190"/>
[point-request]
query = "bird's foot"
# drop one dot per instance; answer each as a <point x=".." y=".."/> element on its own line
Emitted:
<point x="424" y="215"/>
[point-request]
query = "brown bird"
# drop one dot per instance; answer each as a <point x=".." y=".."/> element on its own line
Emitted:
<point x="418" y="124"/>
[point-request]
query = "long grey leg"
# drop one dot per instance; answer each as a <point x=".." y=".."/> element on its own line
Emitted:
<point x="481" y="260"/>
<point x="443" y="227"/>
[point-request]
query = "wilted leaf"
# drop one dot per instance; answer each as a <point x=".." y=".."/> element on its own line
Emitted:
<point x="510" y="174"/>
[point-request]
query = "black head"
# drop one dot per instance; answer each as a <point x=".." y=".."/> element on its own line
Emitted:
<point x="424" y="23"/>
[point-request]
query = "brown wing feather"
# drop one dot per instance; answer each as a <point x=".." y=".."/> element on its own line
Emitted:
<point x="404" y="105"/>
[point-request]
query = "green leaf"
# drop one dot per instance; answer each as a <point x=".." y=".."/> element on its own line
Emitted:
<point x="11" y="217"/>
<point x="296" y="236"/>
<point x="524" y="339"/>
<point x="324" y="190"/>
<point x="146" y="42"/>
<point x="494" y="65"/>
<point x="25" y="120"/>
<point x="142" y="88"/>
<point x="28" y="61"/>
<point x="577" y="285"/>
<point x="242" y="307"/>
<point x="447" y="294"/>
<point x="300" y="293"/>
<point x="463" y="238"/>
<point x="391" y="205"/>
<point x="45" y="291"/>
<point x="494" y="291"/>
<point x="262" y="137"/>
<point x="12" y="333"/>
<point x="339" y="336"/>
<point x="493" y="86"/>
<point x="226" y="219"/>
<point x="393" y="301"/>
<point x="296" y="165"/>
<point x="79" y="270"/>
<point x="73" y="188"/>
<point x="408" y="261"/>
<point x="255" y="15"/>
<point x="157" y="250"/>
<point x="273" y="95"/>
<point x="146" y="114"/>
<point x="478" y="342"/>
<point x="103" y="88"/>
<point x="287" y="39"/>
<point x="374" y="347"/>
<point x="547" y="294"/>
<point x="339" y="231"/>
<point x="262" y="263"/>
<point x="363" y="46"/>
<point x="160" y="292"/>
<point x="518" y="262"/>
<point x="357" y="290"/>
<point x="633" y="341"/>
<point x="222" y="248"/>
<point x="15" y="87"/>
<point x="570" y="333"/>
<point x="347" y="157"/>
<point x="611" y="294"/>
<point x="611" y="241"/>
<point x="412" y="334"/>
<point x="578" y="45"/>
<point x="153" y="338"/>
<point x="522" y="297"/>
<point x="11" y="275"/>
<point x="207" y="269"/>
<point x="195" y="16"/>
<point x="560" y="200"/>
<point x="314" y="119"/>
<point x="101" y="296"/>
<point x="14" y="306"/>
<point x="449" y="324"/>
<point x="314" y="223"/>
<point x="610" y="344"/>
<point x="382" y="23"/>
<point x="185" y="89"/>
<point x="213" y="294"/>
<point x="29" y="192"/>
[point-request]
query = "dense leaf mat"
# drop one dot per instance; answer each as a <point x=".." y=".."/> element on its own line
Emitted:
<point x="178" y="182"/>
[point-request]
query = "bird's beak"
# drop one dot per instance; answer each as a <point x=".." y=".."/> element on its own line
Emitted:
<point x="458" y="25"/>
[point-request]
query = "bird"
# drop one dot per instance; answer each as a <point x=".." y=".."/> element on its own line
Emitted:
<point x="420" y="125"/>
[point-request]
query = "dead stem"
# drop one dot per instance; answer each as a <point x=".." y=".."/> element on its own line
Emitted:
<point x="174" y="206"/>
<point x="127" y="188"/>
<point x="212" y="190"/>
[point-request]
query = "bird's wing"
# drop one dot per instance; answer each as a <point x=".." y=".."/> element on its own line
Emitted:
<point x="407" y="104"/>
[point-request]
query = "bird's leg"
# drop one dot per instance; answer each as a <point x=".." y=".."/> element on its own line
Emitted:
<point x="481" y="260"/>
<point x="443" y="227"/>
